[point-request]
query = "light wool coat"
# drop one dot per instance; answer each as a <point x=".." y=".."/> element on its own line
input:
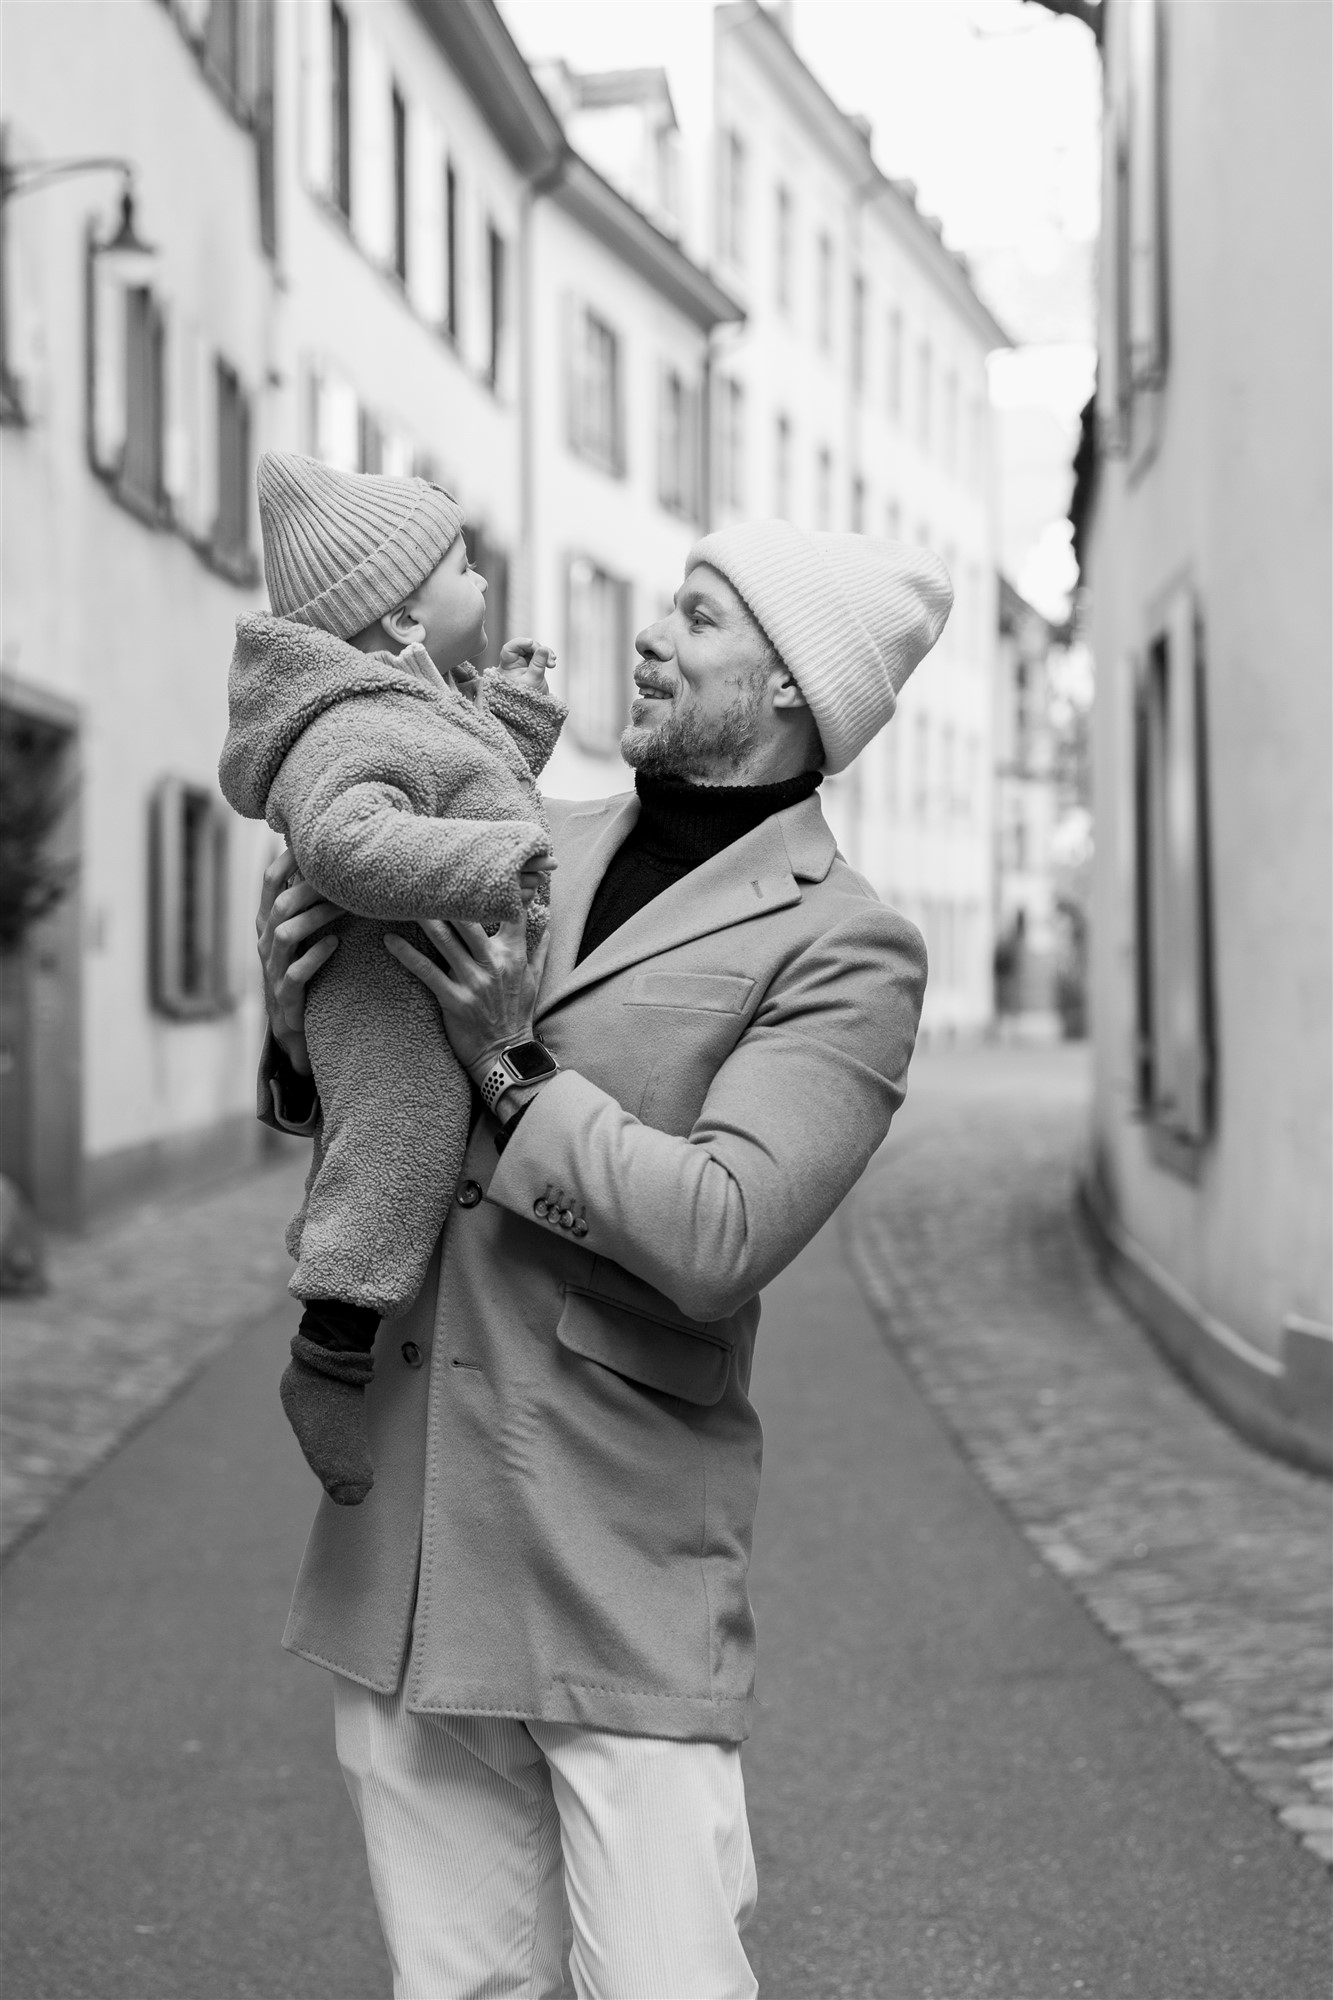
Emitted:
<point x="399" y="799"/>
<point x="567" y="1459"/>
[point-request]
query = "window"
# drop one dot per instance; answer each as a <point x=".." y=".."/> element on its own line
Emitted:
<point x="858" y="506"/>
<point x="188" y="901"/>
<point x="950" y="441"/>
<point x="893" y="373"/>
<point x="340" y="130"/>
<point x="1145" y="305"/>
<point x="925" y="368"/>
<point x="450" y="250"/>
<point x="497" y="303"/>
<point x="782" y="467"/>
<point x="399" y="185"/>
<point x="265" y="136"/>
<point x="824" y="488"/>
<point x="678" y="446"/>
<point x="231" y="532"/>
<point x="594" y="392"/>
<point x="824" y="298"/>
<point x="782" y="251"/>
<point x="731" y="442"/>
<point x="334" y="429"/>
<point x="731" y="193"/>
<point x="597" y="652"/>
<point x="370" y="442"/>
<point x="921" y="771"/>
<point x="141" y="469"/>
<point x="1175" y="1051"/>
<point x="858" y="358"/>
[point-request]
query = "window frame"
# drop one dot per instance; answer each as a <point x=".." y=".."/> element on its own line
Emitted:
<point x="174" y="902"/>
<point x="593" y="726"/>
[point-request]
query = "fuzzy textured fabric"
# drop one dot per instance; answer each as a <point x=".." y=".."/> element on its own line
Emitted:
<point x="850" y="615"/>
<point x="400" y="800"/>
<point x="324" y="1395"/>
<point x="342" y="548"/>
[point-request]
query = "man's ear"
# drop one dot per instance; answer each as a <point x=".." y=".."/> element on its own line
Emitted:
<point x="403" y="626"/>
<point x="786" y="694"/>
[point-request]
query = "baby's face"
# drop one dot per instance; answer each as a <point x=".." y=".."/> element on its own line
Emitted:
<point x="450" y="607"/>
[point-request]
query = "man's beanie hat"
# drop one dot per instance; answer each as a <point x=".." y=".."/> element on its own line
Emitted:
<point x="850" y="615"/>
<point x="342" y="548"/>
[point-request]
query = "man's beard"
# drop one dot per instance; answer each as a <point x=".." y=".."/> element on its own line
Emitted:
<point x="699" y="746"/>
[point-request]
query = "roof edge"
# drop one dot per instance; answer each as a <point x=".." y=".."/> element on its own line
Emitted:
<point x="589" y="199"/>
<point x="493" y="71"/>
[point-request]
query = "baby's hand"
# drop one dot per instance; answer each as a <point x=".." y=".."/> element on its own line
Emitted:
<point x="532" y="874"/>
<point x="525" y="661"/>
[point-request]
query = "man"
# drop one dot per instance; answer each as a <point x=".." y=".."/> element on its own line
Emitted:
<point x="539" y="1619"/>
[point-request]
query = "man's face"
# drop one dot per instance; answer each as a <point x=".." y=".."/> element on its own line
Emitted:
<point x="450" y="607"/>
<point x="703" y="685"/>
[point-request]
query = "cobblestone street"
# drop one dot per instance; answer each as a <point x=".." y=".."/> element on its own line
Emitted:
<point x="960" y="1787"/>
<point x="135" y="1308"/>
<point x="1207" y="1560"/>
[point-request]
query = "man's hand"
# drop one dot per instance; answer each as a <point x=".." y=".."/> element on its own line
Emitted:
<point x="525" y="662"/>
<point x="290" y="912"/>
<point x="487" y="988"/>
<point x="533" y="873"/>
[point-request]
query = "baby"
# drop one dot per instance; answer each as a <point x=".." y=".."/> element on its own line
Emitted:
<point x="405" y="786"/>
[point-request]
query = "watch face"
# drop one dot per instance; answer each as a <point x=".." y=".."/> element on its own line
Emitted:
<point x="529" y="1060"/>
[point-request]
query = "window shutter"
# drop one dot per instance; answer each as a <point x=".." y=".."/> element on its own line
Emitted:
<point x="425" y="220"/>
<point x="180" y="419"/>
<point x="572" y="323"/>
<point x="620" y="452"/>
<point x="1147" y="291"/>
<point x="372" y="146"/>
<point x="106" y="366"/>
<point x="1187" y="1022"/>
<point x="316" y="97"/>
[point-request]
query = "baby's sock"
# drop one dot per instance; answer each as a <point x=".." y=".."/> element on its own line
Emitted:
<point x="323" y="1393"/>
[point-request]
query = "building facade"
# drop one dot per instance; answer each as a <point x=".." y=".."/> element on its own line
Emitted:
<point x="1206" y="538"/>
<point x="136" y="391"/>
<point x="851" y="396"/>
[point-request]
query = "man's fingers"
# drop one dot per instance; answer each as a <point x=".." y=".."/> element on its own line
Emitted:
<point x="303" y="969"/>
<point x="425" y="969"/>
<point x="292" y="929"/>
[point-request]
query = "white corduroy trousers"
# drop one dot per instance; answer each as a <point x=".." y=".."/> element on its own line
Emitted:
<point x="539" y="1861"/>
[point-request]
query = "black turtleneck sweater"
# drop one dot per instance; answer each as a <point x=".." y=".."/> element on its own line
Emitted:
<point x="679" y="826"/>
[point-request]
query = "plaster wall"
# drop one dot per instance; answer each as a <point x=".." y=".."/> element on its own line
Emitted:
<point x="617" y="523"/>
<point x="120" y="620"/>
<point x="1234" y="496"/>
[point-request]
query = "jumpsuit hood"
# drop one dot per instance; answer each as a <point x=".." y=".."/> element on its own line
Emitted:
<point x="282" y="676"/>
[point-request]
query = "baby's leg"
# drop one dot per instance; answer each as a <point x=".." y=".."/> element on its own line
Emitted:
<point x="396" y="1108"/>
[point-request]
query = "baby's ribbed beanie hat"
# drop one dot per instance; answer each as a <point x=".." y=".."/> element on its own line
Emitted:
<point x="850" y="615"/>
<point x="342" y="548"/>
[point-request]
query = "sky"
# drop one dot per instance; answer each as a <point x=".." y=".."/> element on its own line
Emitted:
<point x="992" y="107"/>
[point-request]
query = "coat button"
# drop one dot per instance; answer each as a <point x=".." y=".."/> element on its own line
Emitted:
<point x="469" y="1194"/>
<point x="580" y="1227"/>
<point x="411" y="1354"/>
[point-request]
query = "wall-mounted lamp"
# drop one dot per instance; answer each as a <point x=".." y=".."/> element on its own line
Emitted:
<point x="27" y="176"/>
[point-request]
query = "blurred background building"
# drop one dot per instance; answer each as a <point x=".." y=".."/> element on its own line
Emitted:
<point x="607" y="308"/>
<point x="1203" y="510"/>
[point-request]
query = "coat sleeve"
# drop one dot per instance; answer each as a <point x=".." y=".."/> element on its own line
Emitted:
<point x="285" y="1102"/>
<point x="354" y="803"/>
<point x="788" y="1125"/>
<point x="533" y="718"/>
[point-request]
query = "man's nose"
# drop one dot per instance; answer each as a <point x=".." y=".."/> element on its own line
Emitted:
<point x="651" y="643"/>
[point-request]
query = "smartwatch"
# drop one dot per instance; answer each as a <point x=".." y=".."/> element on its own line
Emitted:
<point x="521" y="1062"/>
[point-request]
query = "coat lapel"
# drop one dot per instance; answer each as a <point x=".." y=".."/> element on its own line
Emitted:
<point x="758" y="873"/>
<point x="585" y="844"/>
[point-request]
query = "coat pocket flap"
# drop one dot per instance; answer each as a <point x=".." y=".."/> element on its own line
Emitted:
<point x="706" y="992"/>
<point x="657" y="1356"/>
